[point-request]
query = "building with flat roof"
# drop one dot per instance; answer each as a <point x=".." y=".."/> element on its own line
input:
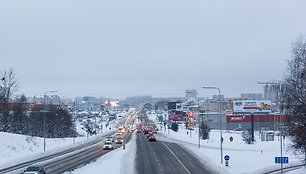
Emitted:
<point x="191" y="94"/>
<point x="252" y="96"/>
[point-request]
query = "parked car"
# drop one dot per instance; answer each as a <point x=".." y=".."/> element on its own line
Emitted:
<point x="108" y="145"/>
<point x="35" y="169"/>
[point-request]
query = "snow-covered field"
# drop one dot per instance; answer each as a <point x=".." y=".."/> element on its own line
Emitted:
<point x="119" y="161"/>
<point x="244" y="158"/>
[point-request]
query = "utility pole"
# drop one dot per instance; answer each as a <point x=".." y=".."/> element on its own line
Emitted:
<point x="221" y="138"/>
<point x="199" y="120"/>
<point x="101" y="119"/>
<point x="281" y="143"/>
<point x="252" y="126"/>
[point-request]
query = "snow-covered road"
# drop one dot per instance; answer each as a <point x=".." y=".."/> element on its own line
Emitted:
<point x="119" y="161"/>
<point x="244" y="158"/>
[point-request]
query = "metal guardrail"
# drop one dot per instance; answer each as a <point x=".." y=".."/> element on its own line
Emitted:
<point x="286" y="169"/>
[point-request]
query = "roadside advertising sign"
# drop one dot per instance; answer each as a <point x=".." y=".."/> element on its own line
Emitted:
<point x="175" y="117"/>
<point x="114" y="103"/>
<point x="179" y="107"/>
<point x="252" y="106"/>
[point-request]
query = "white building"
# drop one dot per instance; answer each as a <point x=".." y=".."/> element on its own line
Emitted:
<point x="191" y="94"/>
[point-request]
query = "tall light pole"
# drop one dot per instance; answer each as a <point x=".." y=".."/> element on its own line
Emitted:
<point x="45" y="117"/>
<point x="214" y="87"/>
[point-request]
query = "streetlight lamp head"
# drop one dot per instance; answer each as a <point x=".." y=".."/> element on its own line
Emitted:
<point x="209" y="87"/>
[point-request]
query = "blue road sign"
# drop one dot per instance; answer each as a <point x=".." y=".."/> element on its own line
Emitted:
<point x="280" y="160"/>
<point x="207" y="130"/>
<point x="226" y="157"/>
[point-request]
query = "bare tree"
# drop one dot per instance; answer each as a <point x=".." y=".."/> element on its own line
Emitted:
<point x="293" y="94"/>
<point x="9" y="85"/>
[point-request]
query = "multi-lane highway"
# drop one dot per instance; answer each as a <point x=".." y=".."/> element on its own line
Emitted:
<point x="159" y="157"/>
<point x="80" y="157"/>
<point x="73" y="157"/>
<point x="164" y="157"/>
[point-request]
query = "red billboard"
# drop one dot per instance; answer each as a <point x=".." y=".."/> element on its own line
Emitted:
<point x="175" y="117"/>
<point x="257" y="118"/>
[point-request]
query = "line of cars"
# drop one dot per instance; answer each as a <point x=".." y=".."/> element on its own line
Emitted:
<point x="108" y="143"/>
<point x="149" y="132"/>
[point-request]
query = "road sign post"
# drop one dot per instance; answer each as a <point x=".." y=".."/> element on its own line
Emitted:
<point x="190" y="115"/>
<point x="226" y="158"/>
<point x="281" y="160"/>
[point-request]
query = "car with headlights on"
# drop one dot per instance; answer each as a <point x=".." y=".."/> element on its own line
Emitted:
<point x="35" y="169"/>
<point x="119" y="140"/>
<point x="109" y="139"/>
<point x="108" y="145"/>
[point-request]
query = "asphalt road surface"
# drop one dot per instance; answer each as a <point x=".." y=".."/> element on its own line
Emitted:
<point x="83" y="157"/>
<point x="165" y="158"/>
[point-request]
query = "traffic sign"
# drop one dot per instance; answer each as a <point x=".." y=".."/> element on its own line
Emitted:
<point x="281" y="160"/>
<point x="226" y="157"/>
<point x="190" y="114"/>
<point x="207" y="130"/>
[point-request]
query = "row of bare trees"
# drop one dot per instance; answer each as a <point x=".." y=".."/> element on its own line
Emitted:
<point x="14" y="119"/>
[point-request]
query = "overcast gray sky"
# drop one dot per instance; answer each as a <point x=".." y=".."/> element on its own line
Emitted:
<point x="120" y="48"/>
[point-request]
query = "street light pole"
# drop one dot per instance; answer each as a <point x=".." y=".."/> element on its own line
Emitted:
<point x="45" y="117"/>
<point x="199" y="120"/>
<point x="214" y="87"/>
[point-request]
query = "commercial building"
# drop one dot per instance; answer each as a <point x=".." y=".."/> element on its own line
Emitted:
<point x="252" y="96"/>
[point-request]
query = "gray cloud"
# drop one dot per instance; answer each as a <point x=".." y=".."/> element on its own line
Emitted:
<point x="147" y="47"/>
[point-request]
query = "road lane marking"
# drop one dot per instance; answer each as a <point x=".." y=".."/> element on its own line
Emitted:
<point x="177" y="158"/>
